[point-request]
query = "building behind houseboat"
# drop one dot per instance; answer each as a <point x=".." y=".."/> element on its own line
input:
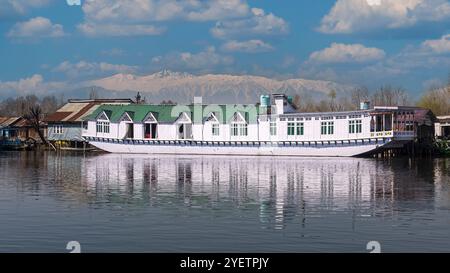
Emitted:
<point x="271" y="127"/>
<point x="65" y="126"/>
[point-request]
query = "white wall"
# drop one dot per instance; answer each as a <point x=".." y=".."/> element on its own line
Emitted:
<point x="138" y="130"/>
<point x="256" y="132"/>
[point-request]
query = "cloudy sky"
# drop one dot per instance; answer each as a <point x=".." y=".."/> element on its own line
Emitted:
<point x="48" y="44"/>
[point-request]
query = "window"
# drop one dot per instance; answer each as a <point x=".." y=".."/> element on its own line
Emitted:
<point x="99" y="127"/>
<point x="85" y="125"/>
<point x="215" y="129"/>
<point x="409" y="126"/>
<point x="103" y="127"/>
<point x="273" y="128"/>
<point x="243" y="129"/>
<point x="58" y="129"/>
<point x="327" y="128"/>
<point x="234" y="129"/>
<point x="299" y="128"/>
<point x="106" y="127"/>
<point x="330" y="127"/>
<point x="295" y="128"/>
<point x="355" y="126"/>
<point x="238" y="129"/>
<point x="291" y="128"/>
<point x="323" y="128"/>
<point x="358" y="126"/>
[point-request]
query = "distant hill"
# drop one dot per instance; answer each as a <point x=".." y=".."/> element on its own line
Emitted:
<point x="215" y="88"/>
<point x="182" y="87"/>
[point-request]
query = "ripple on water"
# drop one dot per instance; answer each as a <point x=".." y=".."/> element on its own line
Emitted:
<point x="215" y="204"/>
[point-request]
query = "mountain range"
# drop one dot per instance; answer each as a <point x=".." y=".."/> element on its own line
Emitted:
<point x="214" y="88"/>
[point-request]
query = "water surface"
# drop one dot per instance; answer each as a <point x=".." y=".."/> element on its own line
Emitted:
<point x="135" y="203"/>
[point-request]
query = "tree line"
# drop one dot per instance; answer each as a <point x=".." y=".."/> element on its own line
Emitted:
<point x="21" y="106"/>
<point x="436" y="98"/>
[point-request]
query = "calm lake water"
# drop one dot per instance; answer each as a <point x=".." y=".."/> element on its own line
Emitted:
<point x="134" y="203"/>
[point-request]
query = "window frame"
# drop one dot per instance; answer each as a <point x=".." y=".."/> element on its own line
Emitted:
<point x="215" y="129"/>
<point x="273" y="128"/>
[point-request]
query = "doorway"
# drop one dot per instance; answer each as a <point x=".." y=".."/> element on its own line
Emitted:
<point x="150" y="130"/>
<point x="184" y="131"/>
<point x="130" y="130"/>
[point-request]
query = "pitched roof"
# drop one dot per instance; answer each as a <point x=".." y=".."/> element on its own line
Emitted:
<point x="76" y="110"/>
<point x="8" y="121"/>
<point x="170" y="113"/>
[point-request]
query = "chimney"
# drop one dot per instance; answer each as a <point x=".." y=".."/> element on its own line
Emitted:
<point x="280" y="102"/>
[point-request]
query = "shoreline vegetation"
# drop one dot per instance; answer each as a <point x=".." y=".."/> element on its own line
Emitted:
<point x="437" y="98"/>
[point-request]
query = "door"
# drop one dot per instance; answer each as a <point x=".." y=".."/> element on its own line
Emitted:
<point x="148" y="130"/>
<point x="185" y="131"/>
<point x="130" y="131"/>
<point x="153" y="130"/>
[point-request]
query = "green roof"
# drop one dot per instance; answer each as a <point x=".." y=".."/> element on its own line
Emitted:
<point x="170" y="113"/>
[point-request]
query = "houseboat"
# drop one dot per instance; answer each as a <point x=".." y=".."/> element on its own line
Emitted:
<point x="271" y="127"/>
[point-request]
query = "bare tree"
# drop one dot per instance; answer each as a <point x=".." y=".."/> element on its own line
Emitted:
<point x="358" y="95"/>
<point x="304" y="103"/>
<point x="93" y="95"/>
<point x="332" y="96"/>
<point x="437" y="100"/>
<point x="389" y="96"/>
<point x="20" y="106"/>
<point x="34" y="117"/>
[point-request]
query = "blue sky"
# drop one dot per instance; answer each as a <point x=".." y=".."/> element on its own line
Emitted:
<point x="48" y="44"/>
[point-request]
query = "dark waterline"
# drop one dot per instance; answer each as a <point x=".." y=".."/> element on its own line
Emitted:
<point x="112" y="203"/>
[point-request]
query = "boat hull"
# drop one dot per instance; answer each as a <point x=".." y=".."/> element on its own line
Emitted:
<point x="336" y="150"/>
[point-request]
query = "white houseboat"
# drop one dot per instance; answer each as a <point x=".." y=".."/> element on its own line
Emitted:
<point x="271" y="127"/>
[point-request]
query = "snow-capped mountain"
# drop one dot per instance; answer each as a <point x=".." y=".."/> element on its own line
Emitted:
<point x="223" y="88"/>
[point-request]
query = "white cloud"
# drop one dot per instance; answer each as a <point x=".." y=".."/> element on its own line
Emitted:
<point x="141" y="17"/>
<point x="95" y="30"/>
<point x="38" y="27"/>
<point x="11" y="8"/>
<point x="350" y="16"/>
<point x="31" y="85"/>
<point x="251" y="46"/>
<point x="163" y="10"/>
<point x="438" y="46"/>
<point x="84" y="68"/>
<point x="259" y="24"/>
<point x="413" y="62"/>
<point x="203" y="60"/>
<point x="218" y="10"/>
<point x="144" y="17"/>
<point x="342" y="53"/>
